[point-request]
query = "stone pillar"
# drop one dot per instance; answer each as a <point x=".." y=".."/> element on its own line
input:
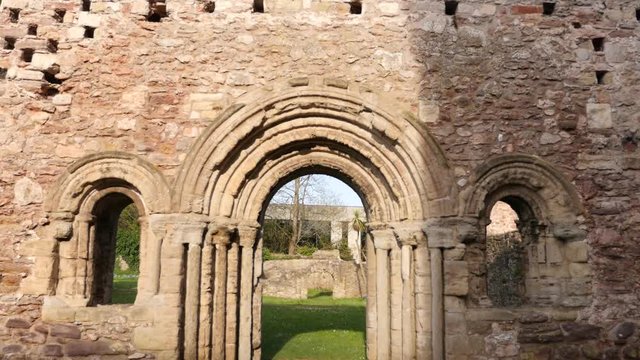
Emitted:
<point x="85" y="240"/>
<point x="221" y="239"/>
<point x="206" y="297"/>
<point x="257" y="301"/>
<point x="372" y="319"/>
<point x="247" y="236"/>
<point x="194" y="234"/>
<point x="409" y="236"/>
<point x="384" y="241"/>
<point x="231" y="335"/>
<point x="437" y="304"/>
<point x="443" y="234"/>
<point x="422" y="285"/>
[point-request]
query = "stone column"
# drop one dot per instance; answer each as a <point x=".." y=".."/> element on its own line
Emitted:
<point x="409" y="235"/>
<point x="247" y="236"/>
<point x="194" y="234"/>
<point x="384" y="241"/>
<point x="84" y="270"/>
<point x="221" y="239"/>
<point x="231" y="332"/>
<point x="206" y="297"/>
<point x="437" y="304"/>
<point x="422" y="286"/>
<point x="372" y="319"/>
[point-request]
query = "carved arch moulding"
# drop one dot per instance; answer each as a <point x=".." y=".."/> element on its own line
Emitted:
<point x="553" y="200"/>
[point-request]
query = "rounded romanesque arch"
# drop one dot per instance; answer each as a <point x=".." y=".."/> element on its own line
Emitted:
<point x="103" y="170"/>
<point x="341" y="127"/>
<point x="84" y="209"/>
<point x="548" y="194"/>
<point x="289" y="129"/>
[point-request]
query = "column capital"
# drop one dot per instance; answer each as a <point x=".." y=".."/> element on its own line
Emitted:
<point x="221" y="234"/>
<point x="383" y="236"/>
<point x="248" y="233"/>
<point x="409" y="232"/>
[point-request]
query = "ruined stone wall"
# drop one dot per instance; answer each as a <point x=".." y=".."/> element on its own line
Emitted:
<point x="294" y="278"/>
<point x="498" y="77"/>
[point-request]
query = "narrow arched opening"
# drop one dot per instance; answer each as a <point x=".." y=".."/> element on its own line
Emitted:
<point x="510" y="238"/>
<point x="115" y="249"/>
<point x="314" y="272"/>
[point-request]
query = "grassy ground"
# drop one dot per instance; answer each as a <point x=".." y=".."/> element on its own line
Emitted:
<point x="125" y="288"/>
<point x="318" y="328"/>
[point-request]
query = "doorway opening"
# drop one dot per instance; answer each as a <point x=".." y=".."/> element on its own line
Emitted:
<point x="314" y="270"/>
<point x="116" y="252"/>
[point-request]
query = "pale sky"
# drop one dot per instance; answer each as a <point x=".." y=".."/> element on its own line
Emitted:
<point x="347" y="196"/>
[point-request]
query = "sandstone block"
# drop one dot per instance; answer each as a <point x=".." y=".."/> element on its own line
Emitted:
<point x="89" y="19"/>
<point x="389" y="8"/>
<point x="53" y="350"/>
<point x="88" y="347"/>
<point x="65" y="331"/>
<point x="62" y="99"/>
<point x="456" y="278"/>
<point x="15" y="4"/>
<point x="577" y="252"/>
<point x="155" y="338"/>
<point x="18" y="323"/>
<point x="599" y="116"/>
<point x="574" y="331"/>
<point x="27" y="191"/>
<point x="23" y="74"/>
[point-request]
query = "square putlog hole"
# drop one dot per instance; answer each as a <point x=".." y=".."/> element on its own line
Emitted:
<point x="32" y="29"/>
<point x="9" y="43"/>
<point x="258" y="6"/>
<point x="14" y="15"/>
<point x="603" y="77"/>
<point x="27" y="55"/>
<point x="548" y="8"/>
<point x="89" y="32"/>
<point x="86" y="5"/>
<point x="157" y="11"/>
<point x="355" y="8"/>
<point x="209" y="7"/>
<point x="638" y="14"/>
<point x="58" y="15"/>
<point x="598" y="44"/>
<point x="3" y="73"/>
<point x="450" y="7"/>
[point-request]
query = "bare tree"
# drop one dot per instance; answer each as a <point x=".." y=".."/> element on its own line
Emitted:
<point x="297" y="195"/>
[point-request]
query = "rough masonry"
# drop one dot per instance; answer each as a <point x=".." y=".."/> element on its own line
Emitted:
<point x="432" y="110"/>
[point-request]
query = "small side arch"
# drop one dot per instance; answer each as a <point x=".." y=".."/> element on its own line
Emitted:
<point x="84" y="209"/>
<point x="549" y="243"/>
<point x="552" y="198"/>
<point x="98" y="171"/>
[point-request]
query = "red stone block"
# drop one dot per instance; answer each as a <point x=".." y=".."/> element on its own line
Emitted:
<point x="526" y="9"/>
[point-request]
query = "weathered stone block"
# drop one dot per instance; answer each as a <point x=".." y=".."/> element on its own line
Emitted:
<point x="88" y="347"/>
<point x="599" y="116"/>
<point x="53" y="350"/>
<point x="574" y="331"/>
<point x="65" y="331"/>
<point x="456" y="278"/>
<point x="577" y="252"/>
<point x="18" y="323"/>
<point x="155" y="338"/>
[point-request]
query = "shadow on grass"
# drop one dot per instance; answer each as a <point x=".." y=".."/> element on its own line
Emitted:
<point x="318" y="328"/>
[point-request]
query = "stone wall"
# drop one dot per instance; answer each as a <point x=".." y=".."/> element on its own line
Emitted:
<point x="556" y="81"/>
<point x="293" y="278"/>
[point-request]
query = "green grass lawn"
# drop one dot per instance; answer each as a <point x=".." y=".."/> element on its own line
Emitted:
<point x="125" y="288"/>
<point x="317" y="328"/>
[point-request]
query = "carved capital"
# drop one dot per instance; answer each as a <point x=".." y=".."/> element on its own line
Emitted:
<point x="248" y="233"/>
<point x="221" y="234"/>
<point x="409" y="233"/>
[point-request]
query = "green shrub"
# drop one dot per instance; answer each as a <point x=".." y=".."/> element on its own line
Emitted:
<point x="345" y="251"/>
<point x="266" y="254"/>
<point x="128" y="238"/>
<point x="307" y="250"/>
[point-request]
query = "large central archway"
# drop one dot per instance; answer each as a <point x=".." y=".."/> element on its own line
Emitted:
<point x="302" y="125"/>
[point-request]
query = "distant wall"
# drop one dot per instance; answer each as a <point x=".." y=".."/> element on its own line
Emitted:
<point x="293" y="278"/>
